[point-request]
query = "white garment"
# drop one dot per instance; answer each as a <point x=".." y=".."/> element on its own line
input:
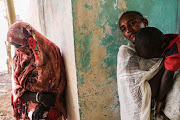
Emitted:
<point x="133" y="73"/>
<point x="172" y="103"/>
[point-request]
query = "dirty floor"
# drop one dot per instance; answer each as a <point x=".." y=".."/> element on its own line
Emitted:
<point x="5" y="100"/>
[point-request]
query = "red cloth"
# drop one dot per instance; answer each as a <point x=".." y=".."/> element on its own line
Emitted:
<point x="172" y="53"/>
<point x="37" y="66"/>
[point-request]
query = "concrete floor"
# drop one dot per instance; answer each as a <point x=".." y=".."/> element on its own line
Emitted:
<point x="5" y="97"/>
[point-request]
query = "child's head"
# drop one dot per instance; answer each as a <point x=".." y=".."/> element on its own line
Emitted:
<point x="149" y="42"/>
<point x="130" y="23"/>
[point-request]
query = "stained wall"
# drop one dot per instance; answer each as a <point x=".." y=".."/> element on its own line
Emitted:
<point x="97" y="38"/>
<point x="88" y="35"/>
<point x="53" y="18"/>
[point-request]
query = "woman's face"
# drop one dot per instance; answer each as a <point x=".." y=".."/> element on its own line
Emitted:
<point x="130" y="24"/>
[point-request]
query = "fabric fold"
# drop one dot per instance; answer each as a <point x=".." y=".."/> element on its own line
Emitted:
<point x="38" y="67"/>
<point x="134" y="91"/>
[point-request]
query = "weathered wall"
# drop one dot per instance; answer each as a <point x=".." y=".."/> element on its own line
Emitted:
<point x="53" y="18"/>
<point x="178" y="18"/>
<point x="96" y="36"/>
<point x="97" y="39"/>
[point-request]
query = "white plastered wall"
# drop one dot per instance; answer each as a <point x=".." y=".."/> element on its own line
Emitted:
<point x="54" y="20"/>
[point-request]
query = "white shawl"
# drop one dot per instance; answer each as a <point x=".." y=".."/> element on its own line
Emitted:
<point x="133" y="73"/>
<point x="134" y="91"/>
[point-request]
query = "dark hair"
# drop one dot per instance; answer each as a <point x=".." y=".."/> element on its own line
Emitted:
<point x="133" y="13"/>
<point x="148" y="38"/>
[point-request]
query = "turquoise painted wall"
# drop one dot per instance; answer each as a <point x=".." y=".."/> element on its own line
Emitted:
<point x="97" y="38"/>
<point x="178" y="18"/>
<point x="160" y="13"/>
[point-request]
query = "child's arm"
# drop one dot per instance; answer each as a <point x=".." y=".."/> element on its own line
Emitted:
<point x="156" y="81"/>
<point x="166" y="83"/>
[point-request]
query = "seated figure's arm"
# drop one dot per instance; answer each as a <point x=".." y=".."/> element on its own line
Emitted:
<point x="28" y="96"/>
<point x="166" y="83"/>
<point x="47" y="99"/>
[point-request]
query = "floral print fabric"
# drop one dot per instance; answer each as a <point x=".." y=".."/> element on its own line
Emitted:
<point x="37" y="66"/>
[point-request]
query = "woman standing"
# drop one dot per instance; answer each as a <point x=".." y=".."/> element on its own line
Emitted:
<point x="138" y="78"/>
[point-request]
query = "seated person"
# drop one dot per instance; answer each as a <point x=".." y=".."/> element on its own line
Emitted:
<point x="152" y="43"/>
<point x="38" y="75"/>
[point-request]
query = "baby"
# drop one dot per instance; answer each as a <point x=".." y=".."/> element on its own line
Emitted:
<point x="152" y="43"/>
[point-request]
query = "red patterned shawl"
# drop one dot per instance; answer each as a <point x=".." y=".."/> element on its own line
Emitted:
<point x="37" y="66"/>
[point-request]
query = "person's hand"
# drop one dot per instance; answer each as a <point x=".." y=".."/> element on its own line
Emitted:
<point x="47" y="99"/>
<point x="159" y="105"/>
<point x="38" y="112"/>
<point x="159" y="108"/>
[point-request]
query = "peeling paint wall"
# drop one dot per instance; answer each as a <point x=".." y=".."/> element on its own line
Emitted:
<point x="97" y="39"/>
<point x="161" y="14"/>
<point x="96" y="34"/>
<point x="90" y="27"/>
